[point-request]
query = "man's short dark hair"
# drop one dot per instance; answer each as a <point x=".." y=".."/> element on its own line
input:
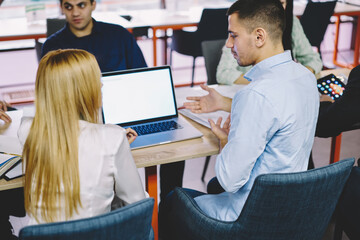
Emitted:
<point x="61" y="1"/>
<point x="267" y="14"/>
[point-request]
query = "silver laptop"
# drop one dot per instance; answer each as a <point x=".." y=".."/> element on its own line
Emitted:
<point x="144" y="99"/>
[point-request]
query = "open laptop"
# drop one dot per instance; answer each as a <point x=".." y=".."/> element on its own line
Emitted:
<point x="144" y="99"/>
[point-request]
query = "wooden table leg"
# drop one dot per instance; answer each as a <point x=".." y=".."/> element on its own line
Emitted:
<point x="357" y="43"/>
<point x="165" y="48"/>
<point x="335" y="149"/>
<point x="336" y="42"/>
<point x="151" y="188"/>
<point x="356" y="48"/>
<point x="154" y="38"/>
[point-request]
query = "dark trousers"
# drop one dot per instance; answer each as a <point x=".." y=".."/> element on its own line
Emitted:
<point x="311" y="162"/>
<point x="166" y="208"/>
<point x="171" y="176"/>
<point x="11" y="203"/>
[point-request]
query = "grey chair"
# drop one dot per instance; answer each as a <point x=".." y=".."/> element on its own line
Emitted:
<point x="212" y="51"/>
<point x="212" y="25"/>
<point x="52" y="26"/>
<point x="281" y="206"/>
<point x="132" y="222"/>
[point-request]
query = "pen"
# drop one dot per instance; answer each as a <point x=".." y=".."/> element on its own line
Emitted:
<point x="179" y="108"/>
<point x="11" y="154"/>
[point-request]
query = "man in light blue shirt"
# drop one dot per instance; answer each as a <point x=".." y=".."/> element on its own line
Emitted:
<point x="273" y="119"/>
<point x="272" y="130"/>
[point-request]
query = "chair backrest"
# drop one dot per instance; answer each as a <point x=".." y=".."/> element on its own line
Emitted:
<point x="280" y="206"/>
<point x="38" y="47"/>
<point x="212" y="51"/>
<point x="315" y="20"/>
<point x="129" y="222"/>
<point x="53" y="25"/>
<point x="213" y="24"/>
<point x="294" y="205"/>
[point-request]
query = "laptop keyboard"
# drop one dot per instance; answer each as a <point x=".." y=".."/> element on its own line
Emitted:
<point x="156" y="127"/>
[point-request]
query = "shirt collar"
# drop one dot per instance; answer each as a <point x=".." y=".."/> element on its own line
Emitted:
<point x="266" y="64"/>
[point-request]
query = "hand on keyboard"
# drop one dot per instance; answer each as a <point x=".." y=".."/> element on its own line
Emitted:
<point x="131" y="135"/>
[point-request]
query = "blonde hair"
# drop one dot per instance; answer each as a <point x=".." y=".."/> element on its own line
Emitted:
<point x="67" y="89"/>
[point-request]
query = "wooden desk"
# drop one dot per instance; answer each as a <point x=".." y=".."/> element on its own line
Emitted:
<point x="355" y="12"/>
<point x="18" y="29"/>
<point x="161" y="19"/>
<point x="152" y="156"/>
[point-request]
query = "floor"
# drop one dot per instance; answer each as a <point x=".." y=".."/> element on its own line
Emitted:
<point x="19" y="67"/>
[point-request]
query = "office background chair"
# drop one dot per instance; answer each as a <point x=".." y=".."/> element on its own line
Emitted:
<point x="52" y="26"/>
<point x="315" y="20"/>
<point x="213" y="25"/>
<point x="211" y="51"/>
<point x="132" y="222"/>
<point x="280" y="206"/>
<point x="348" y="209"/>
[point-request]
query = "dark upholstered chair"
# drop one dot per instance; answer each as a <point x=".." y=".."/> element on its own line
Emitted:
<point x="52" y="26"/>
<point x="281" y="206"/>
<point x="212" y="51"/>
<point x="129" y="222"/>
<point x="212" y="26"/>
<point x="315" y="20"/>
<point x="348" y="209"/>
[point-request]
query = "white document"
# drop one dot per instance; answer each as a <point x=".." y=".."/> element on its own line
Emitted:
<point x="4" y="158"/>
<point x="15" y="172"/>
<point x="11" y="129"/>
<point x="202" y="118"/>
<point x="9" y="142"/>
<point x="10" y="145"/>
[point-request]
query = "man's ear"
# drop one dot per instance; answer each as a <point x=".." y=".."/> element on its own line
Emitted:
<point x="261" y="36"/>
<point x="94" y="5"/>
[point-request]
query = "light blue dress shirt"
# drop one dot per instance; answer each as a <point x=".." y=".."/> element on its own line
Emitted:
<point x="273" y="122"/>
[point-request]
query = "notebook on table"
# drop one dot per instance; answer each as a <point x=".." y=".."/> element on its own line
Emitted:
<point x="144" y="99"/>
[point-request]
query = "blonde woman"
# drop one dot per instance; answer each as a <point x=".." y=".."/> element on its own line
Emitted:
<point x="74" y="165"/>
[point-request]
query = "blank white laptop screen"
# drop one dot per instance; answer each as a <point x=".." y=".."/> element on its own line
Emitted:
<point x="129" y="97"/>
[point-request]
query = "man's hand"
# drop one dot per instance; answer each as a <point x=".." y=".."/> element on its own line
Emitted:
<point x="4" y="117"/>
<point x="336" y="88"/>
<point x="209" y="103"/>
<point x="326" y="98"/>
<point x="241" y="80"/>
<point x="221" y="133"/>
<point x="131" y="135"/>
<point x="311" y="69"/>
